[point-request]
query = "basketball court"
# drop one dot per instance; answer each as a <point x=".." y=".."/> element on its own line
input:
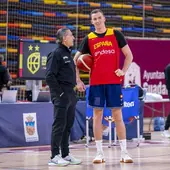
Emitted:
<point x="150" y="155"/>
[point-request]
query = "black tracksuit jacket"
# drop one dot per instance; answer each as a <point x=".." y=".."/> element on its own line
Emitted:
<point x="60" y="70"/>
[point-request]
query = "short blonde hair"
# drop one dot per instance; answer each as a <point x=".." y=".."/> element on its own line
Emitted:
<point x="96" y="11"/>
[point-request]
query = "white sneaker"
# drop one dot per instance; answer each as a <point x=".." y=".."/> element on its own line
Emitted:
<point x="72" y="160"/>
<point x="58" y="161"/>
<point x="166" y="133"/>
<point x="99" y="158"/>
<point x="125" y="158"/>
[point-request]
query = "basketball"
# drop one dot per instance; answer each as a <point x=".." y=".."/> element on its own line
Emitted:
<point x="85" y="62"/>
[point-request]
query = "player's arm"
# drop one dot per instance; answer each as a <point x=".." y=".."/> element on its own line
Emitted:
<point x="126" y="51"/>
<point x="78" y="53"/>
<point x="82" y="49"/>
<point x="80" y="85"/>
<point x="128" y="58"/>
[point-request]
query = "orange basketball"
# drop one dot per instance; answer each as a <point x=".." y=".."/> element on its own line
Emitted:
<point x="85" y="62"/>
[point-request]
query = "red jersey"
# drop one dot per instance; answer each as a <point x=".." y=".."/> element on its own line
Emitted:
<point x="106" y="54"/>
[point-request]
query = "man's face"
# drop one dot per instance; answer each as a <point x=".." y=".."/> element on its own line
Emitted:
<point x="98" y="20"/>
<point x="68" y="39"/>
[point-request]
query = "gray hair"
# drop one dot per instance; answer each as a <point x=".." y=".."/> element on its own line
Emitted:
<point x="61" y="33"/>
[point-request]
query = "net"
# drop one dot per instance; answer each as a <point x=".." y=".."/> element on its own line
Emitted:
<point x="40" y="19"/>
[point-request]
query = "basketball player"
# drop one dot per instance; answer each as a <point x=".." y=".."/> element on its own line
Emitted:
<point x="61" y="78"/>
<point x="104" y="45"/>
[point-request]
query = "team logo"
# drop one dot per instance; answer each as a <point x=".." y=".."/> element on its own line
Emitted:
<point x="30" y="125"/>
<point x="129" y="104"/>
<point x="33" y="60"/>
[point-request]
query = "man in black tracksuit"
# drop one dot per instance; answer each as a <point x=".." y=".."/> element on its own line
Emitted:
<point x="61" y="78"/>
<point x="167" y="78"/>
<point x="166" y="132"/>
<point x="5" y="79"/>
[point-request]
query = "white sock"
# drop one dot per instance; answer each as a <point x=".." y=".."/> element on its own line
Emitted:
<point x="123" y="145"/>
<point x="99" y="146"/>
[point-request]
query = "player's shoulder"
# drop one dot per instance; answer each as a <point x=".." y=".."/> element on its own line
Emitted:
<point x="118" y="33"/>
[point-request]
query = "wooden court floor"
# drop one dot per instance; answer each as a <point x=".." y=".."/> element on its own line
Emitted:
<point x="150" y="155"/>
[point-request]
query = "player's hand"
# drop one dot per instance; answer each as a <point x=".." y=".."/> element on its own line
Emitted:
<point x="80" y="86"/>
<point x="119" y="72"/>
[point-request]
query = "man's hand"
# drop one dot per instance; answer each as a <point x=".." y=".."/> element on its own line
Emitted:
<point x="9" y="83"/>
<point x="80" y="86"/>
<point x="119" y="72"/>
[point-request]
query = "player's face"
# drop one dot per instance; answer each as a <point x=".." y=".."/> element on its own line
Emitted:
<point x="69" y="39"/>
<point x="98" y="20"/>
